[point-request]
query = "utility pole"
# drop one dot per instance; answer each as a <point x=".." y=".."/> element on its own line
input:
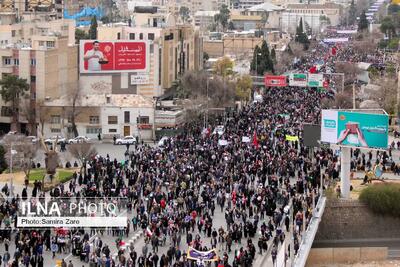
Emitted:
<point x="354" y="96"/>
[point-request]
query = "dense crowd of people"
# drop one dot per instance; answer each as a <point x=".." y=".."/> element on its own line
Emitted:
<point x="261" y="188"/>
<point x="174" y="191"/>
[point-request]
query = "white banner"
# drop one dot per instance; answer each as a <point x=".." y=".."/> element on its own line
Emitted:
<point x="336" y="40"/>
<point x="329" y="126"/>
<point x="140" y="79"/>
<point x="72" y="222"/>
<point x="347" y="31"/>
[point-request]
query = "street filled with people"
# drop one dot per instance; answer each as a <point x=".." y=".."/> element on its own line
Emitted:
<point x="245" y="191"/>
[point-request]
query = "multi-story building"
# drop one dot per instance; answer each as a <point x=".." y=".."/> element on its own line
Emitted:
<point x="314" y="16"/>
<point x="110" y="115"/>
<point x="173" y="50"/>
<point x="203" y="19"/>
<point x="270" y="13"/>
<point x="45" y="55"/>
<point x="12" y="11"/>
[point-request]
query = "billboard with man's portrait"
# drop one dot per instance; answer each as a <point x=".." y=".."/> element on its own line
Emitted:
<point x="113" y="56"/>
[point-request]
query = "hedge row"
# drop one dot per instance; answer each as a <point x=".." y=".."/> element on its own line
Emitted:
<point x="383" y="198"/>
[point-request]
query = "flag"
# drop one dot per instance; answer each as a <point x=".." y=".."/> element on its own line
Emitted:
<point x="313" y="69"/>
<point x="149" y="233"/>
<point x="255" y="140"/>
<point x="333" y="51"/>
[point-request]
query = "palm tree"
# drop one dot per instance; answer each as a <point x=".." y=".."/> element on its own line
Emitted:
<point x="12" y="88"/>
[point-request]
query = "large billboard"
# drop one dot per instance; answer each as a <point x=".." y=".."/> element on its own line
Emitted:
<point x="113" y="56"/>
<point x="298" y="79"/>
<point x="315" y="80"/>
<point x="275" y="81"/>
<point x="355" y="129"/>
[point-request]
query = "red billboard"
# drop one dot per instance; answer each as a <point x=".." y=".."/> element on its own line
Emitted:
<point x="113" y="56"/>
<point x="275" y="81"/>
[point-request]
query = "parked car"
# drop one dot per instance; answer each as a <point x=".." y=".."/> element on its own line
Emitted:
<point x="33" y="139"/>
<point x="126" y="140"/>
<point x="220" y="129"/>
<point x="79" y="139"/>
<point x="52" y="139"/>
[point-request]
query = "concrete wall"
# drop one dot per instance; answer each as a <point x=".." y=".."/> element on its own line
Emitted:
<point x="325" y="256"/>
<point x="347" y="220"/>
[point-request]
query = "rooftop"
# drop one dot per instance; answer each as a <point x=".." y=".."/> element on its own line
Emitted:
<point x="314" y="6"/>
<point x="264" y="7"/>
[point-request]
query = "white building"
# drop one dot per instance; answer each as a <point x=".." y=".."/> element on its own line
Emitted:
<point x="204" y="19"/>
<point x="109" y="115"/>
<point x="315" y="16"/>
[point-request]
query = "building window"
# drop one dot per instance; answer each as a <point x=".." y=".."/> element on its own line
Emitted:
<point x="151" y="48"/>
<point x="7" y="61"/>
<point x="94" y="120"/>
<point x="55" y="119"/>
<point x="41" y="43"/>
<point x="150" y="36"/>
<point x="33" y="61"/>
<point x="112" y="120"/>
<point x="118" y="35"/>
<point x="6" y="111"/>
<point x="16" y="61"/>
<point x="131" y="36"/>
<point x="141" y="36"/>
<point x="143" y="120"/>
<point x="50" y="44"/>
<point x="93" y="130"/>
<point x="13" y="33"/>
<point x="126" y="117"/>
<point x="33" y="79"/>
<point x="112" y="130"/>
<point x="108" y="99"/>
<point x="55" y="130"/>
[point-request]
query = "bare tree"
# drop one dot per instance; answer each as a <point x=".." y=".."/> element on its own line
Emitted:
<point x="25" y="152"/>
<point x="51" y="158"/>
<point x="74" y="110"/>
<point x="29" y="111"/>
<point x="297" y="49"/>
<point x="43" y="115"/>
<point x="82" y="152"/>
<point x="343" y="101"/>
<point x="386" y="96"/>
<point x="350" y="71"/>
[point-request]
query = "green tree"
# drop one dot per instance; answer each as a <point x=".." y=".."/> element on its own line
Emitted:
<point x="363" y="22"/>
<point x="93" y="29"/>
<point x="12" y="89"/>
<point x="80" y="35"/>
<point x="273" y="55"/>
<point x="223" y="16"/>
<point x="255" y="62"/>
<point x="352" y="13"/>
<point x="3" y="161"/>
<point x="243" y="88"/>
<point x="231" y="26"/>
<point x="184" y="12"/>
<point x="262" y="60"/>
<point x="388" y="27"/>
<point x="301" y="36"/>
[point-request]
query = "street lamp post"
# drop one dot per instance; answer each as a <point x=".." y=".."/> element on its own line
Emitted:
<point x="257" y="54"/>
<point x="12" y="152"/>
